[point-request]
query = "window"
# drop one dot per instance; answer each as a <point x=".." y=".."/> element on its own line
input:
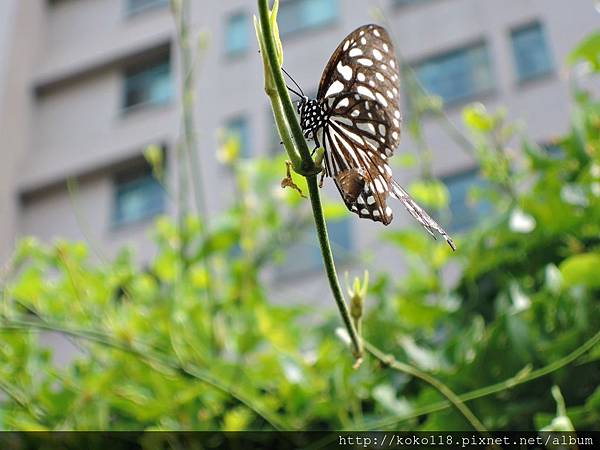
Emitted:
<point x="297" y="15"/>
<point x="148" y="85"/>
<point x="138" y="195"/>
<point x="138" y="6"/>
<point x="465" y="212"/>
<point x="408" y="2"/>
<point x="531" y="53"/>
<point x="305" y="255"/>
<point x="236" y="34"/>
<point x="554" y="151"/>
<point x="457" y="75"/>
<point x="238" y="129"/>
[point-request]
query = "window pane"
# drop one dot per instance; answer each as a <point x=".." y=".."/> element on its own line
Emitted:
<point x="532" y="56"/>
<point x="135" y="6"/>
<point x="408" y="2"/>
<point x="151" y="85"/>
<point x="457" y="75"/>
<point x="465" y="213"/>
<point x="296" y="15"/>
<point x="138" y="195"/>
<point x="236" y="39"/>
<point x="238" y="129"/>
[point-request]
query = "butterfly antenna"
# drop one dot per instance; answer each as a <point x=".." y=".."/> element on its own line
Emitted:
<point x="301" y="94"/>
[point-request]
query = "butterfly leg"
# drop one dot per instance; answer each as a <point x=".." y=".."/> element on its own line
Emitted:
<point x="288" y="181"/>
<point x="317" y="144"/>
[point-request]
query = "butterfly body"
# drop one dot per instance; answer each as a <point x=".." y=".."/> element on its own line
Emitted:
<point x="312" y="116"/>
<point x="356" y="119"/>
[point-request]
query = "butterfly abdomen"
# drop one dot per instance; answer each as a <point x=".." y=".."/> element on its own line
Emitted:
<point x="351" y="183"/>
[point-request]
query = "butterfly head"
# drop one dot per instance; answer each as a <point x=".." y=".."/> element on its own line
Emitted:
<point x="312" y="115"/>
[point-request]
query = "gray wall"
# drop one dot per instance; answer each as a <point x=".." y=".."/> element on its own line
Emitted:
<point x="60" y="88"/>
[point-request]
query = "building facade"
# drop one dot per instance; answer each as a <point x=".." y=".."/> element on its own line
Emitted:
<point x="86" y="85"/>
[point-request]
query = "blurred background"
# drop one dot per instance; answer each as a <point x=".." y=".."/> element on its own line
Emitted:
<point x="93" y="150"/>
<point x="88" y="85"/>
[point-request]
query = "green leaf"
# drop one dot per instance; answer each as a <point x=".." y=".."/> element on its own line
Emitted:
<point x="588" y="50"/>
<point x="237" y="419"/>
<point x="406" y="160"/>
<point x="275" y="29"/>
<point x="165" y="266"/>
<point x="411" y="240"/>
<point x="432" y="193"/>
<point x="477" y="118"/>
<point x="581" y="269"/>
<point x="335" y="211"/>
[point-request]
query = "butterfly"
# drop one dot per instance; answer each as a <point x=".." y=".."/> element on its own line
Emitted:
<point x="356" y="119"/>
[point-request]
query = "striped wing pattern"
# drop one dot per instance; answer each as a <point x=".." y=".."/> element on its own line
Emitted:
<point x="359" y="95"/>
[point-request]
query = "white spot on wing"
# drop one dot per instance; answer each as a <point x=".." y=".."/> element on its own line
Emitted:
<point x="365" y="91"/>
<point x="361" y="76"/>
<point x="386" y="48"/>
<point x="347" y="44"/>
<point x="367" y="126"/>
<point x="343" y="103"/>
<point x="336" y="87"/>
<point x="376" y="33"/>
<point x="355" y="52"/>
<point x="377" y="54"/>
<point x="379" y="76"/>
<point x="365" y="62"/>
<point x="345" y="71"/>
<point x="381" y="99"/>
<point x="343" y="120"/>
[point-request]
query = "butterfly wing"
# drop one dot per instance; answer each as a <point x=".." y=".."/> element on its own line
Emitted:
<point x="365" y="63"/>
<point x="359" y="92"/>
<point x="356" y="137"/>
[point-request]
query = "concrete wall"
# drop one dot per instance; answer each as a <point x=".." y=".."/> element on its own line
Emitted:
<point x="17" y="57"/>
<point x="61" y="98"/>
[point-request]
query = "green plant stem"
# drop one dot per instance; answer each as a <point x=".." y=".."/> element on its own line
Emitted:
<point x="146" y="354"/>
<point x="434" y="382"/>
<point x="181" y="13"/>
<point x="282" y="106"/>
<point x="334" y="284"/>
<point x="510" y="383"/>
<point x="285" y="116"/>
<point x="20" y="399"/>
<point x="187" y="102"/>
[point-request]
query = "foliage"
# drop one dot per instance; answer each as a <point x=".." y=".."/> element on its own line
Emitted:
<point x="193" y="340"/>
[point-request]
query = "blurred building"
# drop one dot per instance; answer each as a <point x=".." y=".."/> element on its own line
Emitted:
<point x="86" y="85"/>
